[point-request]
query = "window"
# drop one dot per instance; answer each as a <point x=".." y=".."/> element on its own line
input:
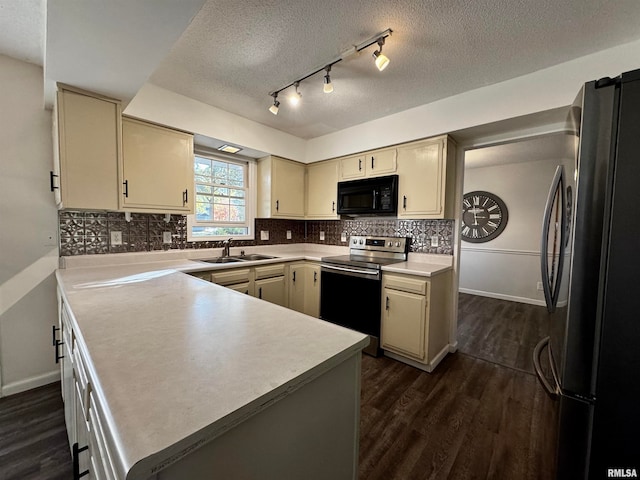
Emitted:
<point x="225" y="199"/>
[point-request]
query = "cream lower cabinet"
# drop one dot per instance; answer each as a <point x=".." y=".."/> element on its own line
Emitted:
<point x="304" y="288"/>
<point x="87" y="146"/>
<point x="157" y="168"/>
<point x="416" y="318"/>
<point x="265" y="282"/>
<point x="322" y="190"/>
<point x="426" y="179"/>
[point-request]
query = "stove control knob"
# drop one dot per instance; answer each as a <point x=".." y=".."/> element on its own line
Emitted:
<point x="361" y="241"/>
<point x="355" y="241"/>
<point x="397" y="244"/>
<point x="389" y="244"/>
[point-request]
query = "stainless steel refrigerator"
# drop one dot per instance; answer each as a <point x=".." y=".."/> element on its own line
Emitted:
<point x="590" y="266"/>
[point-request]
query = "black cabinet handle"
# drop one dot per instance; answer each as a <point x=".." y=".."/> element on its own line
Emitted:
<point x="315" y="277"/>
<point x="404" y="202"/>
<point x="246" y="292"/>
<point x="54" y="329"/>
<point x="359" y="164"/>
<point x="294" y="276"/>
<point x="372" y="162"/>
<point x="51" y="177"/>
<point x="277" y="205"/>
<point x="260" y="293"/>
<point x="58" y="357"/>
<point x="333" y="206"/>
<point x="387" y="304"/>
<point x="185" y="197"/>
<point x="126" y="188"/>
<point x="77" y="474"/>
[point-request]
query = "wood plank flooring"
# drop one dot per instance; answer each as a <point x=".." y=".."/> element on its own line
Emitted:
<point x="33" y="437"/>
<point x="473" y="418"/>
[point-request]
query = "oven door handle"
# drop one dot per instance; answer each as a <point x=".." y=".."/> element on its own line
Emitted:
<point x="375" y="273"/>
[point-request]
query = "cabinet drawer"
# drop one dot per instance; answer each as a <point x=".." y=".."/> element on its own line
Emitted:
<point x="406" y="284"/>
<point x="268" y="271"/>
<point x="229" y="277"/>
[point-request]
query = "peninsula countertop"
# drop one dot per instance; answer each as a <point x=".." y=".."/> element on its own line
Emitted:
<point x="176" y="361"/>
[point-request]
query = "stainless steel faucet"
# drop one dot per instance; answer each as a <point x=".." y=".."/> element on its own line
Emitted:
<point x="226" y="245"/>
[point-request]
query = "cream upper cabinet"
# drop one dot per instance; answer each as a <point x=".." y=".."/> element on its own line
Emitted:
<point x="281" y="185"/>
<point x="426" y="179"/>
<point x="87" y="150"/>
<point x="368" y="164"/>
<point x="322" y="190"/>
<point x="416" y="318"/>
<point x="157" y="168"/>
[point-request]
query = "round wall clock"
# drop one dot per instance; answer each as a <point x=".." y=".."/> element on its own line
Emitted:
<point x="484" y="216"/>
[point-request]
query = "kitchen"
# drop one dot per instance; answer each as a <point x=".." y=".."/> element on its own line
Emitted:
<point x="28" y="287"/>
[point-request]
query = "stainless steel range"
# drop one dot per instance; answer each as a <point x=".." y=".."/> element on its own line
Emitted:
<point x="351" y="285"/>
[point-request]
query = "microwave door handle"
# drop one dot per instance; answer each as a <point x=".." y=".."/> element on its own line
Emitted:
<point x="375" y="199"/>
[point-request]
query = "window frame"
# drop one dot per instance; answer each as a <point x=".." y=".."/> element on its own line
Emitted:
<point x="250" y="207"/>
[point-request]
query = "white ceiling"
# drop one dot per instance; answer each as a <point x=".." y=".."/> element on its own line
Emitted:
<point x="233" y="53"/>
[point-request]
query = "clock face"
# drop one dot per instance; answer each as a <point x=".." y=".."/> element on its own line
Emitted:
<point x="484" y="216"/>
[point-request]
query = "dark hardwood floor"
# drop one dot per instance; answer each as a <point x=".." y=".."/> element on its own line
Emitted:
<point x="33" y="437"/>
<point x="480" y="415"/>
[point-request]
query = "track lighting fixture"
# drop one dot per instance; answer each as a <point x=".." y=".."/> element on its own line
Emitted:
<point x="328" y="86"/>
<point x="296" y="96"/>
<point x="276" y="104"/>
<point x="381" y="62"/>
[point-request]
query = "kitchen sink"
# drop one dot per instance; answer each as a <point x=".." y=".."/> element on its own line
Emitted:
<point x="222" y="260"/>
<point x="252" y="256"/>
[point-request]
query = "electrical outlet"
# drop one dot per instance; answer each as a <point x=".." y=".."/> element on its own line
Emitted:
<point x="166" y="237"/>
<point x="321" y="236"/>
<point x="539" y="286"/>
<point x="116" y="238"/>
<point x="435" y="241"/>
<point x="343" y="237"/>
<point x="288" y="234"/>
<point x="264" y="234"/>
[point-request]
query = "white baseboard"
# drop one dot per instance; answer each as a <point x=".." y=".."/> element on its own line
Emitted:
<point x="29" y="383"/>
<point x="500" y="296"/>
<point x="428" y="367"/>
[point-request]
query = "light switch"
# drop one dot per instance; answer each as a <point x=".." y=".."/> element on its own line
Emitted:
<point x="166" y="237"/>
<point x="288" y="234"/>
<point x="321" y="235"/>
<point x="343" y="237"/>
<point x="435" y="241"/>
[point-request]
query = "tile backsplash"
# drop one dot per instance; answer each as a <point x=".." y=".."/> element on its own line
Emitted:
<point x="86" y="232"/>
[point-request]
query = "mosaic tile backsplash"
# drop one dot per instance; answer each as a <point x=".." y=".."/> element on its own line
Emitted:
<point x="84" y="232"/>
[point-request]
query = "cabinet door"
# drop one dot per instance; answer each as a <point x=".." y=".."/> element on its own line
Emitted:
<point x="380" y="162"/>
<point x="322" y="190"/>
<point x="157" y="171"/>
<point x="297" y="283"/>
<point x="272" y="290"/>
<point x="88" y="140"/>
<point x="287" y="189"/>
<point x="242" y="288"/>
<point x="421" y="184"/>
<point x="312" y="291"/>
<point x="403" y="323"/>
<point x="352" y="167"/>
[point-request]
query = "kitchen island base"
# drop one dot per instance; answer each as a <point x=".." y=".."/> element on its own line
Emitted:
<point x="311" y="433"/>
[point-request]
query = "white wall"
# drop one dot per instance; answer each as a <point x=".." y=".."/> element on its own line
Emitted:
<point x="508" y="267"/>
<point x="28" y="216"/>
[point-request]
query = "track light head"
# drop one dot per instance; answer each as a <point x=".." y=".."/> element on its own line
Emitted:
<point x="296" y="96"/>
<point x="381" y="60"/>
<point x="328" y="86"/>
<point x="276" y="104"/>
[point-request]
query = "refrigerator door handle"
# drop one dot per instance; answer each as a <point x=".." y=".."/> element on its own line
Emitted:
<point x="552" y="391"/>
<point x="551" y="280"/>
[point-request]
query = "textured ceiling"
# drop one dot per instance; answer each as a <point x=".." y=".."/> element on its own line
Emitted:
<point x="22" y="29"/>
<point x="234" y="53"/>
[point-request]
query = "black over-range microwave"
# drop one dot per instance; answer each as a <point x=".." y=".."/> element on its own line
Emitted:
<point x="370" y="196"/>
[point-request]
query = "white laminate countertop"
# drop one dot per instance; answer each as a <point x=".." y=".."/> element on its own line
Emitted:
<point x="176" y="361"/>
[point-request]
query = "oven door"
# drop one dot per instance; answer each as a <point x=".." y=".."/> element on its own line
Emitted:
<point x="351" y="296"/>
